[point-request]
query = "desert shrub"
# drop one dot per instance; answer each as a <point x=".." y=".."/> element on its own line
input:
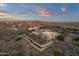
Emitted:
<point x="76" y="44"/>
<point x="17" y="39"/>
<point x="76" y="39"/>
<point x="20" y="53"/>
<point x="34" y="53"/>
<point x="60" y="37"/>
<point x="21" y="33"/>
<point x="57" y="52"/>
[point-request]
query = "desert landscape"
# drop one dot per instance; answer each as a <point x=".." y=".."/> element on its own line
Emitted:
<point x="39" y="38"/>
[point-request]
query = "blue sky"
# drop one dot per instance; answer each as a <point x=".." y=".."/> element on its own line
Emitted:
<point x="42" y="11"/>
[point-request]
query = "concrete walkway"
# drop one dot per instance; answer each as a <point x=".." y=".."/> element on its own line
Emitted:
<point x="36" y="45"/>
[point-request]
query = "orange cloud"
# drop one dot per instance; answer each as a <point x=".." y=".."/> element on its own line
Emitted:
<point x="42" y="12"/>
<point x="2" y="4"/>
<point x="3" y="12"/>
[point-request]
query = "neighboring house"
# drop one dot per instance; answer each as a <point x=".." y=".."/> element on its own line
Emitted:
<point x="12" y="28"/>
<point x="36" y="33"/>
<point x="32" y="28"/>
<point x="45" y="30"/>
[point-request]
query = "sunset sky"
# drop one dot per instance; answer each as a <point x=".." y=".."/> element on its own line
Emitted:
<point x="41" y="11"/>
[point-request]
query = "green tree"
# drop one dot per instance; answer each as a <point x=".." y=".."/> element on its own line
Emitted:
<point x="60" y="37"/>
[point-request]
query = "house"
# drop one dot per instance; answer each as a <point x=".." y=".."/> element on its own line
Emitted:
<point x="45" y="34"/>
<point x="49" y="35"/>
